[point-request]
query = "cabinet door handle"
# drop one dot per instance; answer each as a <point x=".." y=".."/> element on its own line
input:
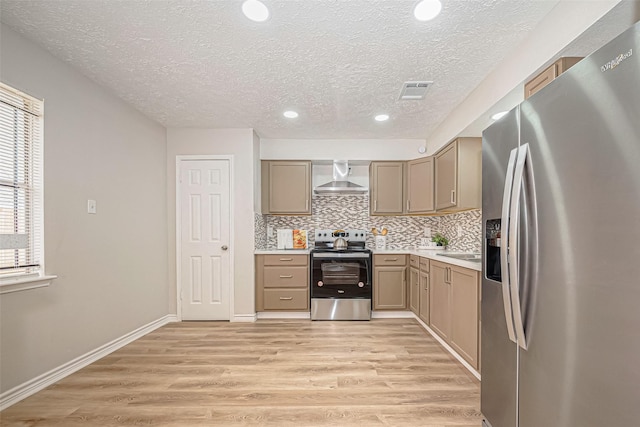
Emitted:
<point x="290" y="276"/>
<point x="306" y="205"/>
<point x="453" y="196"/>
<point x="375" y="205"/>
<point x="391" y="259"/>
<point x="286" y="298"/>
<point x="286" y="259"/>
<point x="408" y="205"/>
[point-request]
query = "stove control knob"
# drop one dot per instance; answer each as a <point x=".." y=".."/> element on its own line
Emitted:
<point x="360" y="285"/>
<point x="320" y="283"/>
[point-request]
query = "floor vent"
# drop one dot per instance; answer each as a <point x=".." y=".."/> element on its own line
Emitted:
<point x="414" y="91"/>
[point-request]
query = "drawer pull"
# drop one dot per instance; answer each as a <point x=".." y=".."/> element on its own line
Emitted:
<point x="391" y="259"/>
<point x="286" y="298"/>
<point x="286" y="259"/>
<point x="290" y="276"/>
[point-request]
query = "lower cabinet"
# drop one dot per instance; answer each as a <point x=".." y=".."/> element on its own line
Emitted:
<point x="440" y="299"/>
<point x="282" y="282"/>
<point x="454" y="308"/>
<point x="414" y="290"/>
<point x="389" y="282"/>
<point x="423" y="284"/>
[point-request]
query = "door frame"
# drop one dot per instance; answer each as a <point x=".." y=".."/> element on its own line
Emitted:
<point x="179" y="160"/>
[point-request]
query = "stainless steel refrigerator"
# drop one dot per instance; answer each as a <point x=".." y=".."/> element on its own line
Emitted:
<point x="561" y="261"/>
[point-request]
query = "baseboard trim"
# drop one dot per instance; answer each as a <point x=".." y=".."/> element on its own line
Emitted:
<point x="392" y="315"/>
<point x="246" y="318"/>
<point x="284" y="315"/>
<point x="448" y="348"/>
<point x="26" y="389"/>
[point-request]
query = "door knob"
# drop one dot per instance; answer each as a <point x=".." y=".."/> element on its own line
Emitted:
<point x="225" y="247"/>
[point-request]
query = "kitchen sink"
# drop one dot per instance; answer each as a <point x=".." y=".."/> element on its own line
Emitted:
<point x="463" y="257"/>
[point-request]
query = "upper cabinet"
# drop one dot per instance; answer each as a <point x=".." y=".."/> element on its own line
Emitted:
<point x="286" y="187"/>
<point x="548" y="75"/>
<point x="386" y="188"/>
<point x="458" y="175"/>
<point x="420" y="194"/>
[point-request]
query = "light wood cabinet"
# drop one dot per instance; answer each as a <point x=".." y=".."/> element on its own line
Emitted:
<point x="440" y="299"/>
<point x="414" y="290"/>
<point x="464" y="313"/>
<point x="420" y="190"/>
<point x="389" y="282"/>
<point x="423" y="311"/>
<point x="548" y="75"/>
<point x="458" y="175"/>
<point x="455" y="304"/>
<point x="286" y="187"/>
<point x="386" y="188"/>
<point x="282" y="282"/>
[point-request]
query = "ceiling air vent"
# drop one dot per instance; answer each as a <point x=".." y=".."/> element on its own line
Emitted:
<point x="414" y="91"/>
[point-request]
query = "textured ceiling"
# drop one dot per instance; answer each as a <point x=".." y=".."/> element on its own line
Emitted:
<point x="196" y="63"/>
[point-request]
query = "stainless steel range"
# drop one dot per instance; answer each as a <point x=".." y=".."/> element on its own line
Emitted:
<point x="341" y="276"/>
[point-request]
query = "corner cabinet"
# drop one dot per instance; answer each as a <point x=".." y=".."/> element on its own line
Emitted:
<point x="386" y="188"/>
<point x="282" y="282"/>
<point x="548" y="75"/>
<point x="286" y="187"/>
<point x="420" y="192"/>
<point x="458" y="176"/>
<point x="389" y="282"/>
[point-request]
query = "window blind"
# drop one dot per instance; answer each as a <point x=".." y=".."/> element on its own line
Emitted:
<point x="21" y="121"/>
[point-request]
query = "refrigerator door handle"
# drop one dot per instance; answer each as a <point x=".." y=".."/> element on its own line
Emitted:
<point x="504" y="264"/>
<point x="513" y="244"/>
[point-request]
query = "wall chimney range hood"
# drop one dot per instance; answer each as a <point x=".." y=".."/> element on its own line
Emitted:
<point x="340" y="183"/>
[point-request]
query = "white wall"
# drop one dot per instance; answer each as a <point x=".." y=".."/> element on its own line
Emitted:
<point x="340" y="149"/>
<point x="111" y="266"/>
<point x="239" y="143"/>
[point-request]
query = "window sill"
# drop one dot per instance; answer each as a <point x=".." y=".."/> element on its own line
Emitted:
<point x="25" y="283"/>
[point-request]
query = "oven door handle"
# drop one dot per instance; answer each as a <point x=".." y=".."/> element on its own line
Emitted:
<point x="325" y="255"/>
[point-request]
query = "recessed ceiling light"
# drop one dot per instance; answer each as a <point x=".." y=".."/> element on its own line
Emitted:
<point x="498" y="116"/>
<point x="255" y="10"/>
<point x="381" y="117"/>
<point x="426" y="10"/>
<point x="290" y="114"/>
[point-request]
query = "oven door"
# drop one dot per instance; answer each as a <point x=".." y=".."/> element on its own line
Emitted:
<point x="341" y="275"/>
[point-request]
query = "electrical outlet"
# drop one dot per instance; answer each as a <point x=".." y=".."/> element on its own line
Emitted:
<point x="269" y="231"/>
<point x="427" y="232"/>
<point x="459" y="227"/>
<point x="92" y="207"/>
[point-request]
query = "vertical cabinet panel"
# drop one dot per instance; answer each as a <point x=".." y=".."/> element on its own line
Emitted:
<point x="414" y="290"/>
<point x="464" y="313"/>
<point x="386" y="188"/>
<point x="440" y="299"/>
<point x="458" y="175"/>
<point x="286" y="187"/>
<point x="424" y="290"/>
<point x="446" y="176"/>
<point x="420" y="190"/>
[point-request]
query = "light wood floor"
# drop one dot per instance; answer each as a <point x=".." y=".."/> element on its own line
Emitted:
<point x="270" y="373"/>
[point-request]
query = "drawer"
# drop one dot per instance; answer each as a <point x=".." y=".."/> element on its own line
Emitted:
<point x="286" y="259"/>
<point x="286" y="277"/>
<point x="286" y="299"/>
<point x="414" y="261"/>
<point x="392" y="259"/>
<point x="424" y="264"/>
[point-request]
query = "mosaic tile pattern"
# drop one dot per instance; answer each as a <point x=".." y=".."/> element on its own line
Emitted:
<point x="260" y="226"/>
<point x="329" y="211"/>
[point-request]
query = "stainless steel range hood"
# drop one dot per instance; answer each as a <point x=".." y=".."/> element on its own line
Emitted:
<point x="340" y="183"/>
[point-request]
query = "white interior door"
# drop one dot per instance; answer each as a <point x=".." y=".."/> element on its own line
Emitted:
<point x="204" y="256"/>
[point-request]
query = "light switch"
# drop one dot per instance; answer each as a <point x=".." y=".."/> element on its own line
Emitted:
<point x="91" y="207"/>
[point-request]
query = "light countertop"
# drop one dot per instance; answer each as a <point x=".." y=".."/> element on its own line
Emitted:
<point x="431" y="254"/>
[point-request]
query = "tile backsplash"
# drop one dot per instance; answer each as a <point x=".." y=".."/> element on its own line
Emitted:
<point x="352" y="211"/>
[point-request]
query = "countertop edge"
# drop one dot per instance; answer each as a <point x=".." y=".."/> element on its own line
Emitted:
<point x="424" y="254"/>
